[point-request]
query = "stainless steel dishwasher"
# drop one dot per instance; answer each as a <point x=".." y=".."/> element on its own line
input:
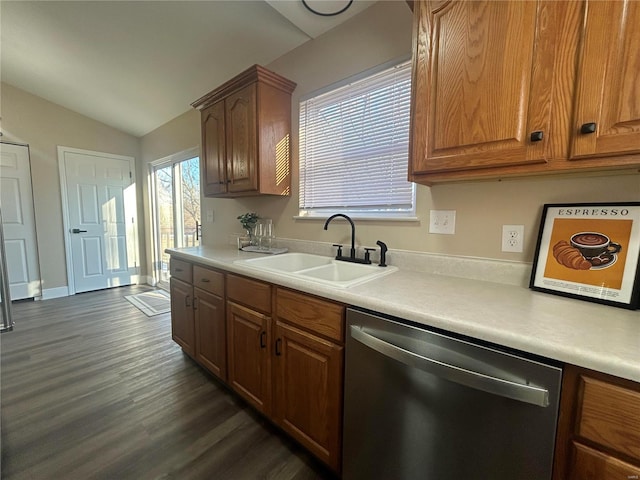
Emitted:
<point x="422" y="405"/>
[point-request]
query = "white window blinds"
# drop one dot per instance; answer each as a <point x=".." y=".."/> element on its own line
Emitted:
<point x="354" y="144"/>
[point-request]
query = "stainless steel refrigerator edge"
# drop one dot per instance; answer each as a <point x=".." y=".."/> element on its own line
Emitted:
<point x="423" y="405"/>
<point x="6" y="324"/>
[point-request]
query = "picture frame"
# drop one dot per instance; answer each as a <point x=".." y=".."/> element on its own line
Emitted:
<point x="589" y="251"/>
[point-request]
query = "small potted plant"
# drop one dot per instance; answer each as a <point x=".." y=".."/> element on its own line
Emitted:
<point x="248" y="221"/>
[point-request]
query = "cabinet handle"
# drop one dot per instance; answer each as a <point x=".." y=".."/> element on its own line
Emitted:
<point x="278" y="343"/>
<point x="205" y="280"/>
<point x="537" y="136"/>
<point x="195" y="303"/>
<point x="178" y="269"/>
<point x="186" y="301"/>
<point x="587" y="128"/>
<point x="263" y="339"/>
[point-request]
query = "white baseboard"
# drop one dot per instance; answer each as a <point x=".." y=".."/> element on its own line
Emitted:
<point x="49" y="293"/>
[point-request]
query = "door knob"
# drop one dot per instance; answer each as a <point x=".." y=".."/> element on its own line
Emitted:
<point x="77" y="230"/>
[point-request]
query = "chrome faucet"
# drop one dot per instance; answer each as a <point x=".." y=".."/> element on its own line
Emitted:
<point x="352" y="254"/>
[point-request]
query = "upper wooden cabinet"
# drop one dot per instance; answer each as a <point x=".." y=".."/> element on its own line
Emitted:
<point x="246" y="129"/>
<point x="504" y="88"/>
<point x="608" y="85"/>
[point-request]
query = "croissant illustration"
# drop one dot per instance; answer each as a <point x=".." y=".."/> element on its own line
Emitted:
<point x="569" y="256"/>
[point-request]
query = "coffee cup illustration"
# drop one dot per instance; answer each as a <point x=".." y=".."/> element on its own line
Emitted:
<point x="596" y="247"/>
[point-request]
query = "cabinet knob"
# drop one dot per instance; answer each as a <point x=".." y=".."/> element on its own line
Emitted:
<point x="587" y="128"/>
<point x="537" y="136"/>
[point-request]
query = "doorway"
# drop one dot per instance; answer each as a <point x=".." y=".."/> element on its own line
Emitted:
<point x="18" y="222"/>
<point x="100" y="219"/>
<point x="175" y="195"/>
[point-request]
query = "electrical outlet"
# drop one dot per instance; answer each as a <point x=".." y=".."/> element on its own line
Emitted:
<point x="442" y="221"/>
<point x="210" y="216"/>
<point x="512" y="238"/>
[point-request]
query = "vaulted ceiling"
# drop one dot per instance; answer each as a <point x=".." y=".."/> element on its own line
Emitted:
<point x="135" y="65"/>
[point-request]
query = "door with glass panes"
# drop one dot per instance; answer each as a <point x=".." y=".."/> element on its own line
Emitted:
<point x="176" y="195"/>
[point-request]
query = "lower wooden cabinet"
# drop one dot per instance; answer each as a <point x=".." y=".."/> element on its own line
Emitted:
<point x="198" y="322"/>
<point x="249" y="355"/>
<point x="591" y="464"/>
<point x="182" y="319"/>
<point x="210" y="332"/>
<point x="285" y="357"/>
<point x="599" y="427"/>
<point x="308" y="391"/>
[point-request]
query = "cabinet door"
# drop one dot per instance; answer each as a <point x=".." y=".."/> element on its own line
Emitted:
<point x="210" y="347"/>
<point x="182" y="324"/>
<point x="248" y="363"/>
<point x="482" y="85"/>
<point x="213" y="150"/>
<point x="308" y="376"/>
<point x="590" y="464"/>
<point x="608" y="81"/>
<point x="241" y="143"/>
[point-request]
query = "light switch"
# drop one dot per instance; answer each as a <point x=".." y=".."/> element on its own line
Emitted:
<point x="442" y="221"/>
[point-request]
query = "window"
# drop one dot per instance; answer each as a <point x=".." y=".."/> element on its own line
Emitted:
<point x="354" y="143"/>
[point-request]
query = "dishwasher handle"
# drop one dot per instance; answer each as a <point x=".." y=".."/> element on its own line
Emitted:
<point x="469" y="378"/>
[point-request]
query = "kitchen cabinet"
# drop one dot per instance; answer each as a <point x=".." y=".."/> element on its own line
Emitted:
<point x="248" y="340"/>
<point x="198" y="320"/>
<point x="210" y="320"/>
<point x="287" y="361"/>
<point x="308" y="372"/>
<point x="182" y="326"/>
<point x="182" y="319"/>
<point x="599" y="427"/>
<point x="246" y="130"/>
<point x="496" y="91"/>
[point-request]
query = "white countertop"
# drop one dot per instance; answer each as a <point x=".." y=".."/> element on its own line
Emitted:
<point x="582" y="333"/>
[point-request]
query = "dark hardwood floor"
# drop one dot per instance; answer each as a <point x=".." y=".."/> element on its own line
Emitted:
<point x="93" y="388"/>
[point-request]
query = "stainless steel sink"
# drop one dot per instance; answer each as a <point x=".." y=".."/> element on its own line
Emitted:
<point x="316" y="268"/>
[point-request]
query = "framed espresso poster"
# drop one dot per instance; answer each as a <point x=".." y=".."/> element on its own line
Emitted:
<point x="589" y="251"/>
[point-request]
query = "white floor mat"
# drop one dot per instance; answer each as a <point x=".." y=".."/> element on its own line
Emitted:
<point x="151" y="303"/>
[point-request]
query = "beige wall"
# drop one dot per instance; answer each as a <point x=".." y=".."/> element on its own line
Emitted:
<point x="380" y="34"/>
<point x="43" y="126"/>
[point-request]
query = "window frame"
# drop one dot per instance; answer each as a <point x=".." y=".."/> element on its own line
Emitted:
<point x="362" y="213"/>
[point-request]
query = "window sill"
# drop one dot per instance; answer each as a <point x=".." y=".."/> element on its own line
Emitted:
<point x="360" y="218"/>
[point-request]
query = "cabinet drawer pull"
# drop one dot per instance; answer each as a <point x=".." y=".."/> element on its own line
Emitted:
<point x="205" y="280"/>
<point x="278" y="343"/>
<point x="263" y="339"/>
<point x="537" y="136"/>
<point x="587" y="128"/>
<point x="178" y="269"/>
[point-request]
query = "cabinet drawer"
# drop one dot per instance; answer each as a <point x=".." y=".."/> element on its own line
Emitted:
<point x="590" y="463"/>
<point x="250" y="293"/>
<point x="180" y="269"/>
<point x="208" y="280"/>
<point x="609" y="416"/>
<point x="313" y="314"/>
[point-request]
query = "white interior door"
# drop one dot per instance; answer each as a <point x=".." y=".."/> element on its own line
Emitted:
<point x="18" y="220"/>
<point x="100" y="219"/>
